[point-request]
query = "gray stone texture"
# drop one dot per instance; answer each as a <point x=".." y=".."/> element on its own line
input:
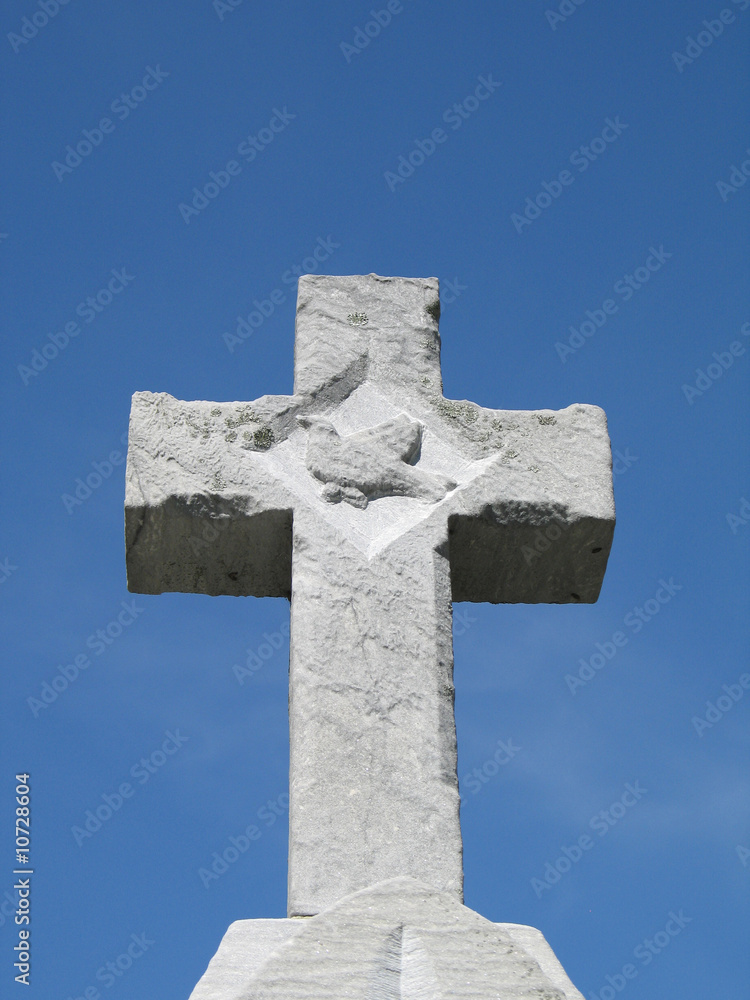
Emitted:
<point x="488" y="505"/>
<point x="399" y="940"/>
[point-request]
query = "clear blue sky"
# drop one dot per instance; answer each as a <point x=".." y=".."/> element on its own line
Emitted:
<point x="632" y="227"/>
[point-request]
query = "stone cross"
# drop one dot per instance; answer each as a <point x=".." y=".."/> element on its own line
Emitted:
<point x="373" y="503"/>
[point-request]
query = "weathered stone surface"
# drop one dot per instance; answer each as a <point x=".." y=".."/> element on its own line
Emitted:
<point x="225" y="498"/>
<point x="372" y="777"/>
<point x="399" y="940"/>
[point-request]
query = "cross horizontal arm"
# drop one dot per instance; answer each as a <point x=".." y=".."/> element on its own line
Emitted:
<point x="203" y="512"/>
<point x="536" y="526"/>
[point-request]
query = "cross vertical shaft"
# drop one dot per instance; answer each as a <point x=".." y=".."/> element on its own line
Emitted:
<point x="373" y="788"/>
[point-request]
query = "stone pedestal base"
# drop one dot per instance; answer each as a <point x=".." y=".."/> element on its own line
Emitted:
<point x="398" y="940"/>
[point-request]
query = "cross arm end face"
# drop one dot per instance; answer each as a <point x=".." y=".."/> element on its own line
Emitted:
<point x="203" y="514"/>
<point x="539" y="528"/>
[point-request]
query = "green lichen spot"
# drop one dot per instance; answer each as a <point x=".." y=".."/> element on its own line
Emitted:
<point x="464" y="412"/>
<point x="357" y="319"/>
<point x="245" y="415"/>
<point x="192" y="425"/>
<point x="230" y="436"/>
<point x="543" y="420"/>
<point x="216" y="412"/>
<point x="217" y="483"/>
<point x="263" y="438"/>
